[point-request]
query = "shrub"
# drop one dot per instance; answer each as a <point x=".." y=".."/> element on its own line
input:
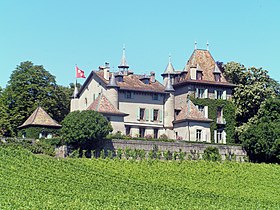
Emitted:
<point x="163" y="137"/>
<point x="212" y="154"/>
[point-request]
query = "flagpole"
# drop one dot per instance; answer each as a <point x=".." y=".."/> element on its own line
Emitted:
<point x="75" y="84"/>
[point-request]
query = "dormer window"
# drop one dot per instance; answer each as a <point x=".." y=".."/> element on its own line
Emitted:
<point x="199" y="75"/>
<point x="145" y="79"/>
<point x="217" y="77"/>
<point x="119" y="78"/>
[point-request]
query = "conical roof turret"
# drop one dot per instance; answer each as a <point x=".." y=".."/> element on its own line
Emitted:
<point x="169" y="68"/>
<point x="169" y="87"/>
<point x="112" y="82"/>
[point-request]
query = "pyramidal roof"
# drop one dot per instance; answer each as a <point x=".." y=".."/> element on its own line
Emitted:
<point x="191" y="112"/>
<point x="203" y="61"/>
<point x="103" y="105"/>
<point x="169" y="69"/>
<point x="41" y="118"/>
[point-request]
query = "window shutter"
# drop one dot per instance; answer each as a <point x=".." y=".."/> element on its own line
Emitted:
<point x="224" y="137"/>
<point x="196" y="93"/>
<point x="224" y="95"/>
<point x="138" y="114"/>
<point x="206" y="111"/>
<point x="215" y="136"/>
<point x="152" y="115"/>
<point x="160" y="115"/>
<point x="216" y="95"/>
<point x="147" y="114"/>
<point x="206" y="93"/>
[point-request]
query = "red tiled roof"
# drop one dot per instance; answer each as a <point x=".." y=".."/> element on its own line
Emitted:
<point x="206" y="63"/>
<point x="40" y="117"/>
<point x="133" y="82"/>
<point x="190" y="113"/>
<point x="103" y="105"/>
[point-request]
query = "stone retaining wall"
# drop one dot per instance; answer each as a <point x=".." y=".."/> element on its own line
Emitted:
<point x="189" y="148"/>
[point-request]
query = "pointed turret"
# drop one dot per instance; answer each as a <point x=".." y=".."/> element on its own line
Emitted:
<point x="123" y="65"/>
<point x="169" y="87"/>
<point x="112" y="82"/>
<point x="169" y="69"/>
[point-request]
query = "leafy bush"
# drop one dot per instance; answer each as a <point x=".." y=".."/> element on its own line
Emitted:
<point x="211" y="154"/>
<point x="80" y="128"/>
<point x="163" y="137"/>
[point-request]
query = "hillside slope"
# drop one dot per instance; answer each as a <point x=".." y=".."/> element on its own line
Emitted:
<point x="28" y="181"/>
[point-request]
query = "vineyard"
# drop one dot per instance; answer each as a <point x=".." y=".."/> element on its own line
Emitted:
<point x="29" y="181"/>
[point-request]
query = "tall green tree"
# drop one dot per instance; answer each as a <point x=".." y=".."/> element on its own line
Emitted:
<point x="5" y="126"/>
<point x="262" y="137"/>
<point x="254" y="86"/>
<point x="30" y="86"/>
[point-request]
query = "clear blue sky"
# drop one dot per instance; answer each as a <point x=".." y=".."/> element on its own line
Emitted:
<point x="61" y="33"/>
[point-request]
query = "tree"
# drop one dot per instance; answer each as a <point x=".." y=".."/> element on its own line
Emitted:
<point x="4" y="122"/>
<point x="254" y="86"/>
<point x="80" y="128"/>
<point x="29" y="86"/>
<point x="262" y="137"/>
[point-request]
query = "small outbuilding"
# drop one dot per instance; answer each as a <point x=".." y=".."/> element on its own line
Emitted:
<point x="39" y="125"/>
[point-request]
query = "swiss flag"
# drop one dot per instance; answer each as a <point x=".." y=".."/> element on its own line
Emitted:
<point x="80" y="73"/>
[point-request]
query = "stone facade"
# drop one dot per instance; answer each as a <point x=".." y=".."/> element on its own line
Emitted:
<point x="140" y="106"/>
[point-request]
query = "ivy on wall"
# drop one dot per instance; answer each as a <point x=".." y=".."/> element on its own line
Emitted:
<point x="34" y="131"/>
<point x="228" y="114"/>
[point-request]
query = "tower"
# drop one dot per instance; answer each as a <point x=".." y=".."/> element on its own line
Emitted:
<point x="169" y="108"/>
<point x="112" y="91"/>
<point x="123" y="65"/>
<point x="74" y="100"/>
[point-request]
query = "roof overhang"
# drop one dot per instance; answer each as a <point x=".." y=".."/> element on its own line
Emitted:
<point x="203" y="82"/>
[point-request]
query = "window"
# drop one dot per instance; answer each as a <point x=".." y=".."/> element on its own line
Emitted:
<point x="142" y="132"/>
<point x="155" y="133"/>
<point x="128" y="94"/>
<point x="142" y="113"/>
<point x="155" y="97"/>
<point x="201" y="108"/>
<point x="86" y="102"/>
<point x="127" y="130"/>
<point x="199" y="75"/>
<point x="219" y="112"/>
<point x="219" y="94"/>
<point x="200" y="93"/>
<point x="198" y="135"/>
<point x="217" y="77"/>
<point x="155" y="115"/>
<point x="219" y="136"/>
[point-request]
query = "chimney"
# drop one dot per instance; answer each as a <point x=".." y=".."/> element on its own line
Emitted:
<point x="153" y="77"/>
<point x="106" y="71"/>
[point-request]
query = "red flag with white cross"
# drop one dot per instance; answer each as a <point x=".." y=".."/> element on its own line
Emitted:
<point x="80" y="73"/>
